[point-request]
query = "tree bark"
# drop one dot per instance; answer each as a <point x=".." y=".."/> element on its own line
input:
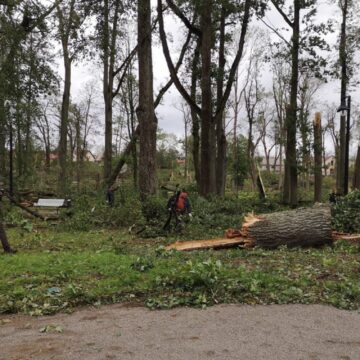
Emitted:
<point x="291" y="120"/>
<point x="300" y="227"/>
<point x="220" y="127"/>
<point x="318" y="157"/>
<point x="146" y="110"/>
<point x="194" y="115"/>
<point x="3" y="128"/>
<point x="109" y="48"/>
<point x="3" y="238"/>
<point x="340" y="171"/>
<point x="65" y="27"/>
<point x="207" y="166"/>
<point x="356" y="183"/>
<point x="287" y="228"/>
<point x="344" y="81"/>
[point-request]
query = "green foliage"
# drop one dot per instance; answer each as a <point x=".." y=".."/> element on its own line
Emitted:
<point x="142" y="264"/>
<point x="238" y="162"/>
<point x="57" y="271"/>
<point x="93" y="212"/>
<point x="154" y="209"/>
<point x="346" y="213"/>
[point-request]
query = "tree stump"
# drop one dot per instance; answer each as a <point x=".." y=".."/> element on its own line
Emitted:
<point x="301" y="227"/>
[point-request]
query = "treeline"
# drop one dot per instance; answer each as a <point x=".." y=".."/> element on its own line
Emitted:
<point x="222" y="49"/>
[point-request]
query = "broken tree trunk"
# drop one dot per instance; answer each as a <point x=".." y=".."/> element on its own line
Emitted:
<point x="3" y="238"/>
<point x="300" y="227"/>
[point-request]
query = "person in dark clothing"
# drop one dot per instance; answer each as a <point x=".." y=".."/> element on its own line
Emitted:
<point x="332" y="197"/>
<point x="110" y="195"/>
<point x="178" y="206"/>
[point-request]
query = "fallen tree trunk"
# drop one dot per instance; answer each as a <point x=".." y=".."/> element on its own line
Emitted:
<point x="301" y="227"/>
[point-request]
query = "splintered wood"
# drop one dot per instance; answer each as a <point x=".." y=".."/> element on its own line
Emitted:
<point x="300" y="227"/>
<point x="205" y="244"/>
<point x="347" y="237"/>
<point x="232" y="238"/>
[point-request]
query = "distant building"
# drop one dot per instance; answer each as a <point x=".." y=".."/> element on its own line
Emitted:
<point x="329" y="165"/>
<point x="54" y="156"/>
<point x="274" y="164"/>
<point x="180" y="162"/>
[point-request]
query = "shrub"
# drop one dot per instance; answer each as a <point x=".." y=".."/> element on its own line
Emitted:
<point x="346" y="213"/>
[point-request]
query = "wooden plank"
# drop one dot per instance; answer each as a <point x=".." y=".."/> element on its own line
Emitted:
<point x="205" y="244"/>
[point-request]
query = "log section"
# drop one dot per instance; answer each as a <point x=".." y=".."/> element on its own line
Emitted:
<point x="300" y="227"/>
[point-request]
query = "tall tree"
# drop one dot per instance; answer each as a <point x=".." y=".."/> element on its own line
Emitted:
<point x="71" y="18"/>
<point x="209" y="117"/>
<point x="146" y="110"/>
<point x="307" y="40"/>
<point x="349" y="42"/>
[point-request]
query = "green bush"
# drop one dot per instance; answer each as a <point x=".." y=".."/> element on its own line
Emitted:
<point x="346" y="213"/>
<point x="154" y="209"/>
<point x="93" y="212"/>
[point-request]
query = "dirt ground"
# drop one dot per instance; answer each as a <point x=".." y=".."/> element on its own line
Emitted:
<point x="221" y="332"/>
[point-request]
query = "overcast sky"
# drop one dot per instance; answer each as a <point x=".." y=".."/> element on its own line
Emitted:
<point x="170" y="119"/>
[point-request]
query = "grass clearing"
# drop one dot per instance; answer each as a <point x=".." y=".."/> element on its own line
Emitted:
<point x="57" y="271"/>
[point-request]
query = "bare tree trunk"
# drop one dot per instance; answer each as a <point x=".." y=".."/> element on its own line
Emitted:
<point x="220" y="128"/>
<point x="194" y="116"/>
<point x="291" y="119"/>
<point x="78" y="151"/>
<point x="186" y="145"/>
<point x="324" y="151"/>
<point x="63" y="174"/>
<point x="318" y="157"/>
<point x="65" y="29"/>
<point x="207" y="177"/>
<point x="3" y="238"/>
<point x="132" y="126"/>
<point x="109" y="49"/>
<point x="340" y="166"/>
<point x="356" y="183"/>
<point x="2" y="139"/>
<point x="146" y="110"/>
<point x="344" y="81"/>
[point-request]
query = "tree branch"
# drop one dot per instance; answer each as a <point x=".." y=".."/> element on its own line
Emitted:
<point x="183" y="18"/>
<point x="275" y="31"/>
<point x="170" y="64"/>
<point x="281" y="12"/>
<point x="177" y="67"/>
<point x="43" y="16"/>
<point x="234" y="66"/>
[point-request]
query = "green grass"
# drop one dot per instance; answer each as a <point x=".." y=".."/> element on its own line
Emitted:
<point x="100" y="267"/>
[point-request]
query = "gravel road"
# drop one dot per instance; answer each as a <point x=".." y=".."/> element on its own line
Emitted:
<point x="221" y="332"/>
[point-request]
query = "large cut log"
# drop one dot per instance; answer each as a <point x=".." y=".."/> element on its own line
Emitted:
<point x="301" y="227"/>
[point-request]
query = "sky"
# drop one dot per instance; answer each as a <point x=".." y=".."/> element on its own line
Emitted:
<point x="170" y="118"/>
